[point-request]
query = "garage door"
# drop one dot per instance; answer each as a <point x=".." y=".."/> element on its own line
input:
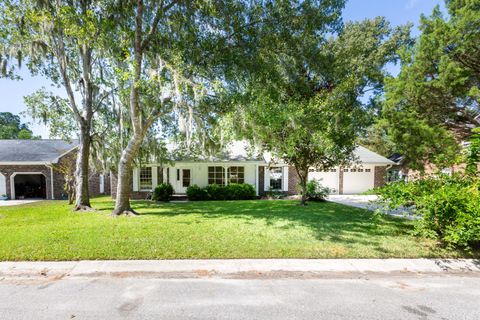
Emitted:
<point x="358" y="180"/>
<point x="326" y="178"/>
<point x="3" y="185"/>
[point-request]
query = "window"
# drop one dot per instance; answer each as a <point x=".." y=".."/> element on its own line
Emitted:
<point x="353" y="170"/>
<point x="216" y="175"/>
<point x="276" y="175"/>
<point x="186" y="178"/>
<point x="236" y="174"/>
<point x="311" y="170"/>
<point x="345" y="170"/>
<point x="360" y="170"/>
<point x="368" y="170"/>
<point x="146" y="178"/>
<point x="333" y="170"/>
<point x="178" y="174"/>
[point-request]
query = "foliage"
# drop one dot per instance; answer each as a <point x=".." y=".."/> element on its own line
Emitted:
<point x="275" y="194"/>
<point x="308" y="91"/>
<point x="163" y="192"/>
<point x="432" y="104"/>
<point x="66" y="166"/>
<point x="196" y="193"/>
<point x="473" y="153"/>
<point x="448" y="206"/>
<point x="12" y="128"/>
<point x="233" y="191"/>
<point x="48" y="231"/>
<point x="316" y="192"/>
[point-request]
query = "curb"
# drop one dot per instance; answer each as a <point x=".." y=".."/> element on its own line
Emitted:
<point x="230" y="268"/>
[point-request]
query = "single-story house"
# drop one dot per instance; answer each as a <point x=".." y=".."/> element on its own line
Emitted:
<point x="236" y="166"/>
<point x="27" y="169"/>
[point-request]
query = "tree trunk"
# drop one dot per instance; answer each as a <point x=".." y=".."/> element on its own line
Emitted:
<point x="124" y="182"/>
<point x="303" y="177"/>
<point x="82" y="202"/>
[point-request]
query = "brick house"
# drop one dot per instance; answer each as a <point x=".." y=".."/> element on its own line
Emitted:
<point x="27" y="169"/>
<point x="236" y="166"/>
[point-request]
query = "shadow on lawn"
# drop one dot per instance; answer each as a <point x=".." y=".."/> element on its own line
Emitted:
<point x="328" y="221"/>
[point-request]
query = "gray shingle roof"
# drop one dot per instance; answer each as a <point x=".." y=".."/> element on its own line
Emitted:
<point x="366" y="156"/>
<point x="19" y="151"/>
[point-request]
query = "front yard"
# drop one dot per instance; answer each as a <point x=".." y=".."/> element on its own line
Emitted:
<point x="48" y="230"/>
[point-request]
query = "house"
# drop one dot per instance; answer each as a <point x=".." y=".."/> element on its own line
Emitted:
<point x="237" y="166"/>
<point x="27" y="169"/>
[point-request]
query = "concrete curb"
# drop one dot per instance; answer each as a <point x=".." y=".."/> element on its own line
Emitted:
<point x="232" y="268"/>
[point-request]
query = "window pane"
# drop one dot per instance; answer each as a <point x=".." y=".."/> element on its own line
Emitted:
<point x="276" y="177"/>
<point x="146" y="178"/>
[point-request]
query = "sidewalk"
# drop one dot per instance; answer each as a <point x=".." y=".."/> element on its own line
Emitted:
<point x="242" y="268"/>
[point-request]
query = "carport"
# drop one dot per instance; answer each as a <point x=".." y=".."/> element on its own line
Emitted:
<point x="29" y="186"/>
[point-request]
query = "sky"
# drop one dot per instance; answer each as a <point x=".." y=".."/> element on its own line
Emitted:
<point x="398" y="12"/>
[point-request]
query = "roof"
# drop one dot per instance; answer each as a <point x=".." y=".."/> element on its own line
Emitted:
<point x="34" y="151"/>
<point x="364" y="155"/>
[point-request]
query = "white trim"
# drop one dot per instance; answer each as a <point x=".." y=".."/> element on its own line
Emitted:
<point x="154" y="177"/>
<point x="12" y="182"/>
<point x="3" y="185"/>
<point x="102" y="184"/>
<point x="65" y="153"/>
<point x="135" y="179"/>
<point x="285" y="179"/>
<point x="256" y="180"/>
<point x="266" y="179"/>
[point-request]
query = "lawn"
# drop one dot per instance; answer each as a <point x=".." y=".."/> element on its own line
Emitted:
<point x="48" y="230"/>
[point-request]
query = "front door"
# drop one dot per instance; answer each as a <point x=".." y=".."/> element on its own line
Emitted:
<point x="184" y="180"/>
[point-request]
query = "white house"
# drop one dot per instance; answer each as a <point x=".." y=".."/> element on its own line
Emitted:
<point x="236" y="166"/>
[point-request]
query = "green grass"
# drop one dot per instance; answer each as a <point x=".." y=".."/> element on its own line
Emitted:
<point x="48" y="230"/>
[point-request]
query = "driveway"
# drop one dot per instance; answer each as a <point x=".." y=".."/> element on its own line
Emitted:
<point x="366" y="202"/>
<point x="5" y="203"/>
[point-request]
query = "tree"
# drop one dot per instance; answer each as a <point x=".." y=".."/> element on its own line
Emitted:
<point x="433" y="103"/>
<point x="12" y="128"/>
<point x="174" y="59"/>
<point x="306" y="106"/>
<point x="66" y="166"/>
<point x="62" y="41"/>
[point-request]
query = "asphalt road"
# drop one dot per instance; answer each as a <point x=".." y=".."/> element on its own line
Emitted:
<point x="367" y="297"/>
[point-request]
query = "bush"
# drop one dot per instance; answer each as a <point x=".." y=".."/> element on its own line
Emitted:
<point x="448" y="208"/>
<point x="242" y="191"/>
<point x="217" y="192"/>
<point x="195" y="193"/>
<point x="163" y="192"/>
<point x="316" y="192"/>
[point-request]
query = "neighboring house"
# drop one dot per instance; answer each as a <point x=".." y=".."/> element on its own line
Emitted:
<point x="27" y="169"/>
<point x="236" y="166"/>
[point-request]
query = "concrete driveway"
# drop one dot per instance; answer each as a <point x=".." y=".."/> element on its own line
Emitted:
<point x="5" y="203"/>
<point x="366" y="202"/>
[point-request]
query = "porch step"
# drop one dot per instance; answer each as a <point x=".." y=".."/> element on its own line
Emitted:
<point x="179" y="197"/>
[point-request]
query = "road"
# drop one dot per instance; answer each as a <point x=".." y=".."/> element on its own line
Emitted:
<point x="356" y="297"/>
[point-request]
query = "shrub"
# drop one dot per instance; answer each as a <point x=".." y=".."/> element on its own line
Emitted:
<point x="275" y="194"/>
<point x="163" y="192"/>
<point x="316" y="192"/>
<point x="217" y="192"/>
<point x="242" y="191"/>
<point x="448" y="208"/>
<point x="195" y="193"/>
